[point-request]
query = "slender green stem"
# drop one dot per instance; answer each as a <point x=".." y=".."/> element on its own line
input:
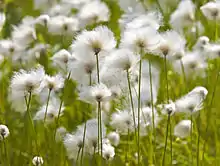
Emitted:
<point x="166" y="139"/>
<point x="84" y="136"/>
<point x="191" y="137"/>
<point x="100" y="125"/>
<point x="48" y="99"/>
<point x="183" y="71"/>
<point x="7" y="161"/>
<point x="97" y="67"/>
<point x="77" y="157"/>
<point x="128" y="147"/>
<point x="198" y="139"/>
<point x="209" y="114"/>
<point x="153" y="133"/>
<point x="139" y="108"/>
<point x="132" y="103"/>
<point x="31" y="120"/>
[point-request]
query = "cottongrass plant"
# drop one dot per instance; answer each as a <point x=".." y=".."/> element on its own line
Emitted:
<point x="109" y="83"/>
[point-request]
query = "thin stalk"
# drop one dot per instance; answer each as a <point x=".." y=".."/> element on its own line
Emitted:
<point x="165" y="147"/>
<point x="209" y="116"/>
<point x="171" y="143"/>
<point x="191" y="137"/>
<point x="139" y="108"/>
<point x="84" y="136"/>
<point x="97" y="67"/>
<point x="153" y="133"/>
<point x="7" y="161"/>
<point x="77" y="157"/>
<point x="183" y="71"/>
<point x="48" y="99"/>
<point x="128" y="148"/>
<point x="100" y="125"/>
<point x="198" y="139"/>
<point x="31" y="120"/>
<point x="84" y="132"/>
<point x="132" y="103"/>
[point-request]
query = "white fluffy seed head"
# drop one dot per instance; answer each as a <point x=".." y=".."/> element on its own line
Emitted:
<point x="4" y="132"/>
<point x="183" y="128"/>
<point x="38" y="161"/>
<point x="114" y="138"/>
<point x="211" y="10"/>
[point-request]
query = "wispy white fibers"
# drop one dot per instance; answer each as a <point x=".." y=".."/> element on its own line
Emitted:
<point x="183" y="129"/>
<point x="4" y="132"/>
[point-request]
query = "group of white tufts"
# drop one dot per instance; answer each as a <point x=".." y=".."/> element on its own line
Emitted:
<point x="108" y="73"/>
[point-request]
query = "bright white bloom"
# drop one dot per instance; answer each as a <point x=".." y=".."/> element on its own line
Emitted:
<point x="62" y="25"/>
<point x="52" y="111"/>
<point x="194" y="65"/>
<point x="98" y="41"/>
<point x="94" y="12"/>
<point x="72" y="143"/>
<point x="168" y="109"/>
<point x="38" y="161"/>
<point x="211" y="10"/>
<point x="122" y="121"/>
<point x="43" y="4"/>
<point x="61" y="59"/>
<point x="24" y="34"/>
<point x="201" y="43"/>
<point x="114" y="138"/>
<point x="10" y="48"/>
<point x="4" y="132"/>
<point x="108" y="151"/>
<point x="2" y="20"/>
<point x="52" y="82"/>
<point x="42" y="20"/>
<point x="59" y="9"/>
<point x="171" y="45"/>
<point x="131" y="6"/>
<point x="122" y="58"/>
<point x="145" y="39"/>
<point x="193" y="101"/>
<point x="183" y="129"/>
<point x="212" y="51"/>
<point x="150" y="19"/>
<point x="24" y="82"/>
<point x="94" y="94"/>
<point x="60" y="134"/>
<point x="183" y="16"/>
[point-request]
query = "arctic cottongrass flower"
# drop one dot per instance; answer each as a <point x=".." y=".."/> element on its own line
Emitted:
<point x="38" y="161"/>
<point x="211" y="10"/>
<point x="171" y="45"/>
<point x="183" y="16"/>
<point x="201" y="43"/>
<point x="98" y="41"/>
<point x="52" y="82"/>
<point x="2" y="20"/>
<point x="194" y="65"/>
<point x="62" y="25"/>
<point x="52" y="111"/>
<point x="183" y="129"/>
<point x="24" y="34"/>
<point x="94" y="12"/>
<point x="60" y="134"/>
<point x="96" y="93"/>
<point x="10" y="48"/>
<point x="122" y="121"/>
<point x="211" y="51"/>
<point x="193" y="101"/>
<point x="142" y="39"/>
<point x="24" y="82"/>
<point x="108" y="151"/>
<point x="4" y="132"/>
<point x="73" y="144"/>
<point x="61" y="58"/>
<point x="122" y="58"/>
<point x="42" y="20"/>
<point x="150" y="19"/>
<point x="114" y="138"/>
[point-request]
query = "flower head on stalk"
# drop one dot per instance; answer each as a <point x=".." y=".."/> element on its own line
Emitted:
<point x="38" y="161"/>
<point x="96" y="93"/>
<point x="211" y="10"/>
<point x="98" y="41"/>
<point x="183" y="129"/>
<point x="144" y="39"/>
<point x="4" y="132"/>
